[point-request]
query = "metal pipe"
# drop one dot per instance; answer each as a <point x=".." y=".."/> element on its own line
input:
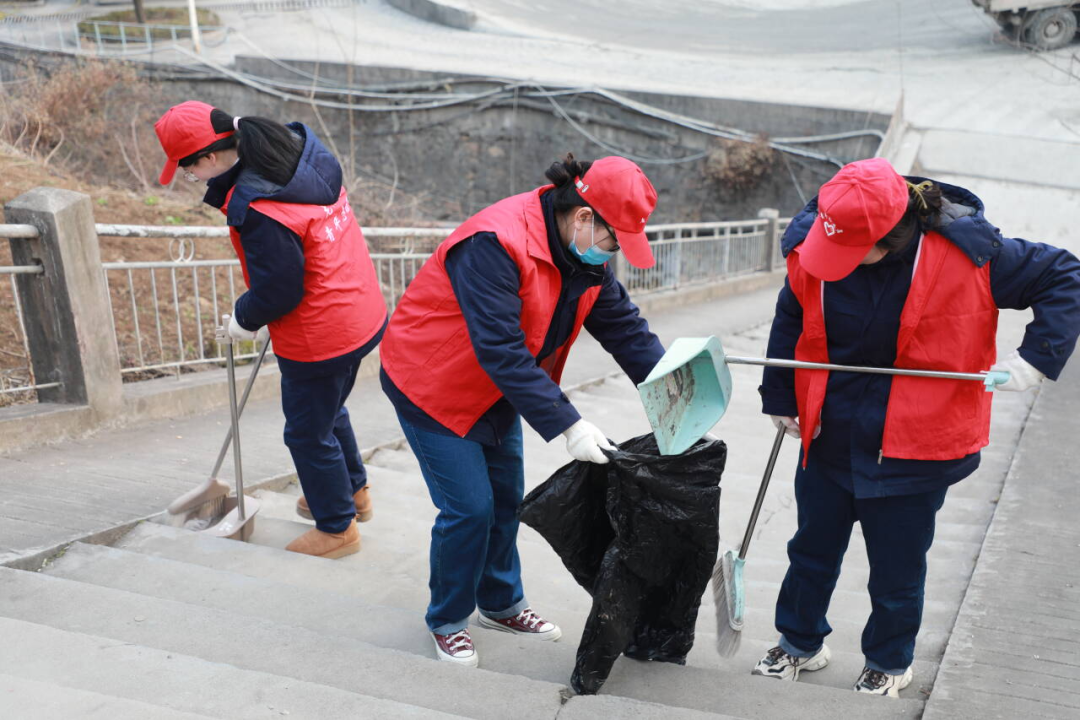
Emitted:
<point x="800" y="365"/>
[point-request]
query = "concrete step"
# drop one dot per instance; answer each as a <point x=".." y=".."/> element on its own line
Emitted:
<point x="388" y="627"/>
<point x="264" y="646"/>
<point x="21" y="698"/>
<point x="136" y="676"/>
<point x="400" y="581"/>
<point x="174" y="681"/>
<point x="549" y="661"/>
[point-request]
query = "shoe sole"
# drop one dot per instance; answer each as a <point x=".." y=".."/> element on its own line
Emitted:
<point x="340" y="552"/>
<point x="484" y="622"/>
<point x="360" y="516"/>
<point x="819" y="662"/>
<point x="465" y="662"/>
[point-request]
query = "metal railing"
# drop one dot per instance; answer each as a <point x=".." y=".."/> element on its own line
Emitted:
<point x="695" y="253"/>
<point x="17" y="373"/>
<point x="109" y="35"/>
<point x="164" y="313"/>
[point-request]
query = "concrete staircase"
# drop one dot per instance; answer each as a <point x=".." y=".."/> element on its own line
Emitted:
<point x="170" y="623"/>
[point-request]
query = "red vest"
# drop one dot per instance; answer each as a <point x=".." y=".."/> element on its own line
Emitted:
<point x="426" y="350"/>
<point x="949" y="322"/>
<point x="343" y="306"/>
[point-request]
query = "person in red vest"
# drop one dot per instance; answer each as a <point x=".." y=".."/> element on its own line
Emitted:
<point x="310" y="281"/>
<point x="889" y="271"/>
<point x="479" y="341"/>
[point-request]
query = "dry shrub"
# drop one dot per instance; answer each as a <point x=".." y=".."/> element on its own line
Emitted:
<point x="737" y="166"/>
<point x="94" y="118"/>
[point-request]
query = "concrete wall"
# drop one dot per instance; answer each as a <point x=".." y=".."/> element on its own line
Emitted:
<point x="462" y="158"/>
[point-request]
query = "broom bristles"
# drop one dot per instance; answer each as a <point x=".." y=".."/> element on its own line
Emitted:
<point x="728" y="626"/>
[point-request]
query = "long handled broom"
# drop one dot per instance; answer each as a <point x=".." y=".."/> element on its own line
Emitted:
<point x="205" y="503"/>
<point x="729" y="595"/>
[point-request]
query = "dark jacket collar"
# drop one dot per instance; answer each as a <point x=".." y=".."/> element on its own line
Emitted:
<point x="316" y="181"/>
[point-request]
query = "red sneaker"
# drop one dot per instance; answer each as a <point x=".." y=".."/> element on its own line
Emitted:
<point x="456" y="648"/>
<point x="526" y="623"/>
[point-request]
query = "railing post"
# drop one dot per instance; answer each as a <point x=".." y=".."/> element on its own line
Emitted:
<point x="772" y="236"/>
<point x="69" y="325"/>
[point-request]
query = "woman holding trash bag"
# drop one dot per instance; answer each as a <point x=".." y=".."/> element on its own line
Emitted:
<point x="890" y="271"/>
<point x="479" y="341"/>
<point x="310" y="281"/>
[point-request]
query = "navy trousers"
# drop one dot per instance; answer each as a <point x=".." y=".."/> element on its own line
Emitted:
<point x="898" y="531"/>
<point x="320" y="437"/>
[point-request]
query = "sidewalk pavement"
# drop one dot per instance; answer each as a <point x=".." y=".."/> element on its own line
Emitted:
<point x="1015" y="649"/>
<point x="52" y="495"/>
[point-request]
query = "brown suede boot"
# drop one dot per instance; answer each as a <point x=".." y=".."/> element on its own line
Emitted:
<point x="362" y="499"/>
<point x="327" y="545"/>
<point x="364" y="509"/>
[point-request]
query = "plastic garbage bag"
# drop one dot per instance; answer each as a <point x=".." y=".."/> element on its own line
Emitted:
<point x="640" y="534"/>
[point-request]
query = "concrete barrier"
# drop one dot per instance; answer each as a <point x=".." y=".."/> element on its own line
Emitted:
<point x="451" y="14"/>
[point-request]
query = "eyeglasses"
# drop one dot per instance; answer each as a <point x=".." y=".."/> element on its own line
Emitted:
<point x="611" y="235"/>
<point x="190" y="176"/>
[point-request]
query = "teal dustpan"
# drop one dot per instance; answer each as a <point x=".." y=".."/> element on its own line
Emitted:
<point x="686" y="393"/>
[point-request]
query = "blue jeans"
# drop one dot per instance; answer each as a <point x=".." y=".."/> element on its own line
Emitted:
<point x="898" y="530"/>
<point x="321" y="438"/>
<point x="474" y="558"/>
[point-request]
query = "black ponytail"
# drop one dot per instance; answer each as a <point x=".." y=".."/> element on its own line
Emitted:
<point x="564" y="195"/>
<point x="924" y="205"/>
<point x="267" y="148"/>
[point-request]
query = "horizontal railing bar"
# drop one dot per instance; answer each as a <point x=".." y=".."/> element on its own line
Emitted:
<point x="166" y="264"/>
<point x="197" y="231"/>
<point x="186" y="363"/>
<point x="162" y="231"/>
<point x="16" y="232"/>
<point x="28" y="388"/>
<point x="21" y="270"/>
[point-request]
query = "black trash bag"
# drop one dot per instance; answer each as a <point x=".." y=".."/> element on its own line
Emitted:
<point x="640" y="534"/>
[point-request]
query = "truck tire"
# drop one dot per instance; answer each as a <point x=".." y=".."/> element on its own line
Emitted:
<point x="1051" y="28"/>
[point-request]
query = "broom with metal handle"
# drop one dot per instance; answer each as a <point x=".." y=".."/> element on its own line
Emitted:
<point x="727" y="579"/>
<point x="212" y="490"/>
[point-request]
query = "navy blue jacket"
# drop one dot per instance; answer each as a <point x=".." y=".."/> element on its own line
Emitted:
<point x="274" y="254"/>
<point x="862" y="315"/>
<point x="486" y="283"/>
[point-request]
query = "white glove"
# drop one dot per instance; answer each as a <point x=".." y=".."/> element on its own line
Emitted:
<point x="791" y="425"/>
<point x="584" y="440"/>
<point x="1022" y="374"/>
<point x="236" y="332"/>
<point x="262" y="336"/>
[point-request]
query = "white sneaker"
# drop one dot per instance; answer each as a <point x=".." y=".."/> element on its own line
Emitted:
<point x="874" y="682"/>
<point x="778" y="664"/>
<point x="456" y="648"/>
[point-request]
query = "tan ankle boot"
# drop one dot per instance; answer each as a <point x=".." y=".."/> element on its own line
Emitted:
<point x="364" y="509"/>
<point x="362" y="499"/>
<point x="327" y="545"/>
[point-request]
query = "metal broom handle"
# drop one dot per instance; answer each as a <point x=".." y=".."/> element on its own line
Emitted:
<point x="761" y="491"/>
<point x="240" y="409"/>
<point x="997" y="377"/>
<point x="235" y="417"/>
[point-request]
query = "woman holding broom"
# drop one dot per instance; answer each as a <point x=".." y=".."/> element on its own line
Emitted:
<point x="900" y="272"/>
<point x="310" y="280"/>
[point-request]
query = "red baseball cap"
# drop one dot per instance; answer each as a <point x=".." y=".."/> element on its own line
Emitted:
<point x="183" y="130"/>
<point x="619" y="191"/>
<point x="858" y="207"/>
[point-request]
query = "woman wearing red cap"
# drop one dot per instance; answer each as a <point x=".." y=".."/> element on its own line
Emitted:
<point x="479" y="341"/>
<point x="892" y="272"/>
<point x="310" y="281"/>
